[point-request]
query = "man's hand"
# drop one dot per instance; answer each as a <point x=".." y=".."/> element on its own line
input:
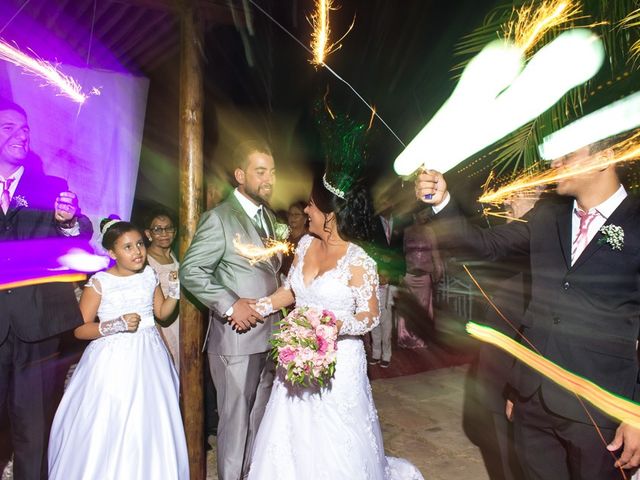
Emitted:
<point x="244" y="317"/>
<point x="430" y="187"/>
<point x="66" y="207"/>
<point x="629" y="438"/>
<point x="508" y="410"/>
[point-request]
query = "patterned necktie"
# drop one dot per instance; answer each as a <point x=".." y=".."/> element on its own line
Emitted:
<point x="5" y="197"/>
<point x="258" y="219"/>
<point x="582" y="239"/>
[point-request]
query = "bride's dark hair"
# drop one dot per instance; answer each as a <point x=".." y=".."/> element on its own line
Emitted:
<point x="354" y="213"/>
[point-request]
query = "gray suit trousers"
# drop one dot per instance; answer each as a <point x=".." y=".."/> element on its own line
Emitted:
<point x="243" y="384"/>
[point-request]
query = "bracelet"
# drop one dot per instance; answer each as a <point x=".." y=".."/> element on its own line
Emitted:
<point x="264" y="306"/>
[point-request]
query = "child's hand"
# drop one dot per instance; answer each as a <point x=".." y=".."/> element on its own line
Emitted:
<point x="132" y="319"/>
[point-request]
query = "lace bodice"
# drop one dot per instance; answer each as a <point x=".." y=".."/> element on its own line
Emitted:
<point x="349" y="290"/>
<point x="121" y="295"/>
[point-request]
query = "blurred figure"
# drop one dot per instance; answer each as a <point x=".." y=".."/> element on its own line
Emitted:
<point x="487" y="389"/>
<point x="387" y="252"/>
<point x="160" y="231"/>
<point x="424" y="270"/>
<point x="298" y="224"/>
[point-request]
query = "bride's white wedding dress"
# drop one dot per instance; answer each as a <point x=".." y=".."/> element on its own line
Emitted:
<point x="329" y="433"/>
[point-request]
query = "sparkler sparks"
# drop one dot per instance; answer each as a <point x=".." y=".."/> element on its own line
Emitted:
<point x="45" y="70"/>
<point x="257" y="254"/>
<point x="620" y="408"/>
<point x="625" y="151"/>
<point x="531" y="22"/>
<point x="632" y="21"/>
<point x="321" y="34"/>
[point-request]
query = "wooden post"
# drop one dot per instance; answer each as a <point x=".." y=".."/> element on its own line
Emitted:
<point x="191" y="180"/>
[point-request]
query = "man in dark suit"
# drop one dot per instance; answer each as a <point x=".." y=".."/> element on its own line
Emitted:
<point x="583" y="312"/>
<point x="33" y="206"/>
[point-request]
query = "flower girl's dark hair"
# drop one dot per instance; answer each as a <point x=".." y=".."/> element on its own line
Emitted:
<point x="112" y="228"/>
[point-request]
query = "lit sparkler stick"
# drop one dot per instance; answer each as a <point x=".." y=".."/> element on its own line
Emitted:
<point x="322" y="33"/>
<point x="257" y="254"/>
<point x="617" y="407"/>
<point x="531" y="22"/>
<point x="333" y="72"/>
<point x="620" y="116"/>
<point x="495" y="95"/>
<point x="44" y="70"/>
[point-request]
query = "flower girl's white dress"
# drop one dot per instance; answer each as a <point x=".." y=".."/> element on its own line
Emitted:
<point x="119" y="418"/>
<point x="329" y="433"/>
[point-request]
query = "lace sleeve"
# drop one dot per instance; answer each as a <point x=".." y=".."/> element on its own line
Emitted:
<point x="363" y="283"/>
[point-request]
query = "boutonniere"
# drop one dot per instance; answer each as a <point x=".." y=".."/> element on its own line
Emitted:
<point x="282" y="231"/>
<point x="20" y="201"/>
<point x="613" y="235"/>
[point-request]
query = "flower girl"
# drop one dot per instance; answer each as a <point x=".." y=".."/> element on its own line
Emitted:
<point x="119" y="417"/>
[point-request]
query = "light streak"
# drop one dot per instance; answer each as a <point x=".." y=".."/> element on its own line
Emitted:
<point x="65" y="277"/>
<point x="625" y="151"/>
<point x="495" y="95"/>
<point x="487" y="212"/>
<point x="617" y="407"/>
<point x="44" y="70"/>
<point x="620" y="116"/>
<point x="257" y="254"/>
<point x="531" y="22"/>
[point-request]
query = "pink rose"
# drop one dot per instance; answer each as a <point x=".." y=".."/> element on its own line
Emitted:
<point x="286" y="355"/>
<point x="327" y="313"/>
<point x="322" y="345"/>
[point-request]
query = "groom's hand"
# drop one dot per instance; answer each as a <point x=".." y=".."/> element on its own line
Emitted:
<point x="430" y="187"/>
<point x="244" y="317"/>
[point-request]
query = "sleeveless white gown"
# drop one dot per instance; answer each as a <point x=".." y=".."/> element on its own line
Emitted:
<point x="329" y="433"/>
<point x="119" y="418"/>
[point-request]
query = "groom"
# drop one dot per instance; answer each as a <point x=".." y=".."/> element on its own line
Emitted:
<point x="222" y="279"/>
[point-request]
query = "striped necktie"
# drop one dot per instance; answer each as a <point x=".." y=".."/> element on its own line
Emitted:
<point x="5" y="197"/>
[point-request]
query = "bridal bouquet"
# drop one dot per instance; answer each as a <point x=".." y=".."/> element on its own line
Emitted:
<point x="306" y="346"/>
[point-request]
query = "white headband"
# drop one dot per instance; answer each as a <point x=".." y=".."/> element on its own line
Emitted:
<point x="110" y="224"/>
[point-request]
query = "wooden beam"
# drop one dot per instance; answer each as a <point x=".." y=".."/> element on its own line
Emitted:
<point x="213" y="11"/>
<point x="191" y="161"/>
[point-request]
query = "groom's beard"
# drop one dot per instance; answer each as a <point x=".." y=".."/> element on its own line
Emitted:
<point x="256" y="196"/>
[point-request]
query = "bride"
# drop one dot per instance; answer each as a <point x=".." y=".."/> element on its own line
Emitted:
<point x="329" y="433"/>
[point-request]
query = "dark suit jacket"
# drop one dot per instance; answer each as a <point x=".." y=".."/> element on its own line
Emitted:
<point x="583" y="317"/>
<point x="39" y="311"/>
<point x="389" y="256"/>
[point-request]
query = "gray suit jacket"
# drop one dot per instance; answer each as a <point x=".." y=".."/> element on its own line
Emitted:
<point x="217" y="275"/>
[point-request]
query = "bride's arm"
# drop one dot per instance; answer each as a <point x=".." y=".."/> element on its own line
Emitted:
<point x="364" y="287"/>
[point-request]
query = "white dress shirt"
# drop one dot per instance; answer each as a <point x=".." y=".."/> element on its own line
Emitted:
<point x="604" y="211"/>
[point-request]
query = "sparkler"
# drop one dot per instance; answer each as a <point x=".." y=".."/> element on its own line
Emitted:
<point x="618" y="407"/>
<point x="495" y="95"/>
<point x="321" y="34"/>
<point x="531" y="22"/>
<point x="625" y="151"/>
<point x="44" y="70"/>
<point x="257" y="254"/>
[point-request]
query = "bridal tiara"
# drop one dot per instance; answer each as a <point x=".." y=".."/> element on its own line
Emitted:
<point x="336" y="191"/>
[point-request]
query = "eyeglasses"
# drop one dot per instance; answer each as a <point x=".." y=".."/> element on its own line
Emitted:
<point x="161" y="230"/>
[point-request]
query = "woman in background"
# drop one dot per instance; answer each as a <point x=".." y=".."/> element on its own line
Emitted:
<point x="297" y="221"/>
<point x="161" y="232"/>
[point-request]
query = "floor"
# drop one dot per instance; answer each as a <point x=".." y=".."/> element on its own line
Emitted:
<point x="421" y="421"/>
